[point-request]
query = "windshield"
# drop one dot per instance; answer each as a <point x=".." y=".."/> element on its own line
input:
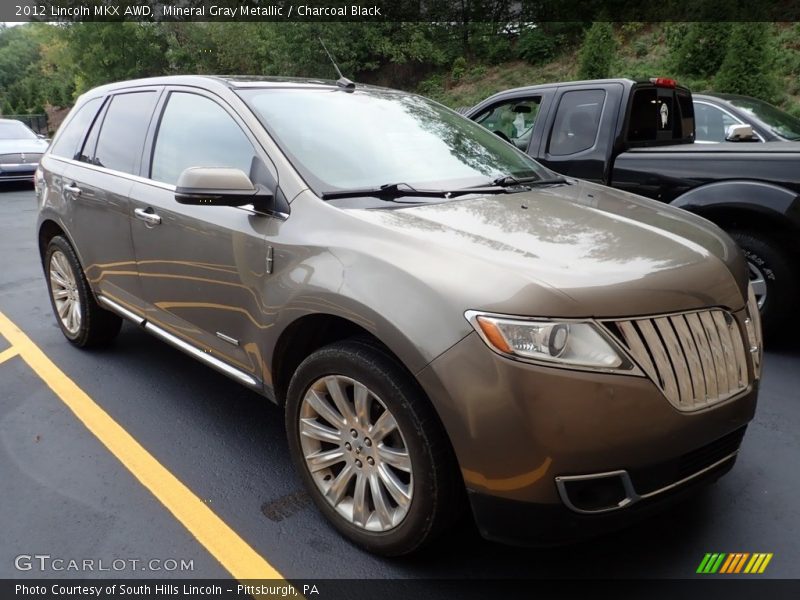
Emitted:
<point x="369" y="138"/>
<point x="780" y="122"/>
<point x="14" y="130"/>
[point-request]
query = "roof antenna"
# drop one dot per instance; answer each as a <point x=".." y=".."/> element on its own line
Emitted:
<point x="342" y="82"/>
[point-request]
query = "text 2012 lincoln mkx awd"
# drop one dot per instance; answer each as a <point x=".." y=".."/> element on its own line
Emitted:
<point x="447" y="323"/>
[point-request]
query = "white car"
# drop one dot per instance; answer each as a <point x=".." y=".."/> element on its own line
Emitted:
<point x="20" y="151"/>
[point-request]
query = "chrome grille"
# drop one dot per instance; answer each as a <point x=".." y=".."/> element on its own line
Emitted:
<point x="696" y="358"/>
<point x="20" y="158"/>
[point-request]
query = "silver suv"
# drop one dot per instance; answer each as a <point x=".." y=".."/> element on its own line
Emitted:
<point x="447" y="323"/>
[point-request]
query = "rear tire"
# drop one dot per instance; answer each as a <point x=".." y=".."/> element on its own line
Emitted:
<point x="398" y="490"/>
<point x="82" y="321"/>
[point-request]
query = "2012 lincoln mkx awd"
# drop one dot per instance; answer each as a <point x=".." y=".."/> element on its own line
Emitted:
<point x="447" y="323"/>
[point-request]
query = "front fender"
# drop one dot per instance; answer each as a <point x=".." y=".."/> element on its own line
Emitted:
<point x="410" y="323"/>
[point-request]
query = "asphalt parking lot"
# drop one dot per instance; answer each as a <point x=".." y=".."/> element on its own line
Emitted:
<point x="65" y="494"/>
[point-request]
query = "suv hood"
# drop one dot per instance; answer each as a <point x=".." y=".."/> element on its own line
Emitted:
<point x="595" y="250"/>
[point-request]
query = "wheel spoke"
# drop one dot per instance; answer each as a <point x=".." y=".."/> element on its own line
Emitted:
<point x="323" y="409"/>
<point x="58" y="279"/>
<point x="317" y="431"/>
<point x="63" y="307"/>
<point x="338" y="488"/>
<point x="324" y="460"/>
<point x="63" y="267"/>
<point x="361" y="403"/>
<point x="383" y="426"/>
<point x="395" y="487"/>
<point x="360" y="509"/>
<point x="378" y="499"/>
<point x="76" y="316"/>
<point x="398" y="459"/>
<point x="60" y="294"/>
<point x="336" y="391"/>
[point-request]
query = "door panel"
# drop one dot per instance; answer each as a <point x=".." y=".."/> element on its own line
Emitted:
<point x="101" y="228"/>
<point x="98" y="186"/>
<point x="202" y="269"/>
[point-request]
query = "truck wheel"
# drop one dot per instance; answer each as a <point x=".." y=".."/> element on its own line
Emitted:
<point x="774" y="281"/>
<point x="370" y="449"/>
<point x="82" y="321"/>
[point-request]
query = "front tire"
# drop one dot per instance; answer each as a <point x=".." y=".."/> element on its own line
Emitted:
<point x="774" y="281"/>
<point x="370" y="448"/>
<point x="82" y="321"/>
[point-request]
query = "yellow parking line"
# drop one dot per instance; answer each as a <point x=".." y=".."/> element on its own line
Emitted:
<point x="8" y="353"/>
<point x="213" y="533"/>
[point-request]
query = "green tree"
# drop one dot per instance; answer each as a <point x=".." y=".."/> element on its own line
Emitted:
<point x="701" y="51"/>
<point x="105" y="52"/>
<point x="749" y="65"/>
<point x="597" y="52"/>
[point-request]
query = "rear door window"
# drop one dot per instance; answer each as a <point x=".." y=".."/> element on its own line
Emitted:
<point x="577" y="122"/>
<point x="122" y="135"/>
<point x="70" y="139"/>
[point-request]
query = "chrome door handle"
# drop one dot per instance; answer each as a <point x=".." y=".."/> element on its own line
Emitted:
<point x="73" y="189"/>
<point x="146" y="215"/>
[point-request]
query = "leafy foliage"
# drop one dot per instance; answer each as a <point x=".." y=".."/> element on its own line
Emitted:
<point x="597" y="53"/>
<point x="458" y="61"/>
<point x="703" y="48"/>
<point x="749" y="65"/>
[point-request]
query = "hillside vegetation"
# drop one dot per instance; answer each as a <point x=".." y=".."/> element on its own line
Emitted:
<point x="649" y="50"/>
<point x="44" y="67"/>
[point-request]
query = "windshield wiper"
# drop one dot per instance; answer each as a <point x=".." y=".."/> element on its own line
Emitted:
<point x="510" y="180"/>
<point x="391" y="191"/>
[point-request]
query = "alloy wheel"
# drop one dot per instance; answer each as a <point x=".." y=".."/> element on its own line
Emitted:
<point x="356" y="454"/>
<point x="64" y="289"/>
<point x="759" y="283"/>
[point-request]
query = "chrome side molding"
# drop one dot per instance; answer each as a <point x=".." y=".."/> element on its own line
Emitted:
<point x="121" y="310"/>
<point x="182" y="345"/>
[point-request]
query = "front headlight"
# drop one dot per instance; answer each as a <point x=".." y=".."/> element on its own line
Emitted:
<point x="560" y="343"/>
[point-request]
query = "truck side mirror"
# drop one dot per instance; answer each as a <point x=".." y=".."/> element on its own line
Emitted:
<point x="740" y="133"/>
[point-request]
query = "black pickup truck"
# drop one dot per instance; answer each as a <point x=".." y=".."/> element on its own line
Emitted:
<point x="638" y="136"/>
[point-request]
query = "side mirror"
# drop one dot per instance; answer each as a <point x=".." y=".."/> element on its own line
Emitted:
<point x="740" y="133"/>
<point x="217" y="186"/>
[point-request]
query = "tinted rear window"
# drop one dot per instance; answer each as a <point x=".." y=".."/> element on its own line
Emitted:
<point x="661" y="115"/>
<point x="74" y="130"/>
<point x="119" y="145"/>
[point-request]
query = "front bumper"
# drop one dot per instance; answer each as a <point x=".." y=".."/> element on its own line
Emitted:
<point x="517" y="427"/>
<point x="20" y="172"/>
<point x="526" y="523"/>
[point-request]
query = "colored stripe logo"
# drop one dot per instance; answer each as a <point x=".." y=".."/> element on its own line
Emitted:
<point x="733" y="563"/>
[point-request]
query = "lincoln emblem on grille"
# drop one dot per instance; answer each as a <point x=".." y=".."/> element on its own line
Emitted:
<point x="22" y="157"/>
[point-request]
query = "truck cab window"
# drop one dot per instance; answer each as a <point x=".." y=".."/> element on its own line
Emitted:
<point x="512" y="120"/>
<point x="577" y="122"/>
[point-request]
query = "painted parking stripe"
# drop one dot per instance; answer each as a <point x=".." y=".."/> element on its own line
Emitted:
<point x="8" y="353"/>
<point x="209" y="530"/>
